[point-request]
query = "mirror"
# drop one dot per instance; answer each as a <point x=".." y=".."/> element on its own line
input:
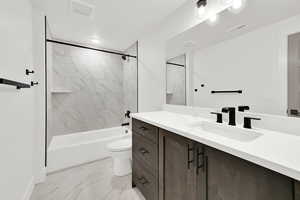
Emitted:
<point x="294" y="74"/>
<point x="247" y="58"/>
<point x="176" y="81"/>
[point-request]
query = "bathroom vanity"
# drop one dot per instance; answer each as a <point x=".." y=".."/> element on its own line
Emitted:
<point x="177" y="157"/>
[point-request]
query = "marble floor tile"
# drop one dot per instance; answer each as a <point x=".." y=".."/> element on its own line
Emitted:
<point x="93" y="181"/>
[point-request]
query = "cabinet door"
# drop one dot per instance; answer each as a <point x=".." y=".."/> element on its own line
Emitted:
<point x="201" y="168"/>
<point x="177" y="171"/>
<point x="231" y="178"/>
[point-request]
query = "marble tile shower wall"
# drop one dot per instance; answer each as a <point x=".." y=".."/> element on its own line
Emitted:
<point x="96" y="97"/>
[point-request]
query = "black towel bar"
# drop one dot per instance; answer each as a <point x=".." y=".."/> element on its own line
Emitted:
<point x="227" y="91"/>
<point x="18" y="85"/>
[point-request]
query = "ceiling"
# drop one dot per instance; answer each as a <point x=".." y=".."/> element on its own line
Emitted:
<point x="115" y="24"/>
<point x="256" y="14"/>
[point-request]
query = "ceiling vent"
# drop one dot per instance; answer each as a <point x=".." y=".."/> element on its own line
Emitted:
<point x="82" y="8"/>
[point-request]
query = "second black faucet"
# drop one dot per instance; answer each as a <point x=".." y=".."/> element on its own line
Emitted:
<point x="231" y="111"/>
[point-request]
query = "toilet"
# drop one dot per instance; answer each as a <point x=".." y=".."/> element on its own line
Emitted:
<point x="122" y="156"/>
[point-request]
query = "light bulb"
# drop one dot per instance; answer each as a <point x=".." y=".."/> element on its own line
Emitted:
<point x="201" y="11"/>
<point x="213" y="19"/>
<point x="237" y="4"/>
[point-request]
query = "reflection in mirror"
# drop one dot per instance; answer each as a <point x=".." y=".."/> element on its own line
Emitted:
<point x="294" y="75"/>
<point x="176" y="81"/>
<point x="253" y="51"/>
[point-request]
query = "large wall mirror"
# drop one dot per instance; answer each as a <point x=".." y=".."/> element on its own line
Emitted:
<point x="248" y="58"/>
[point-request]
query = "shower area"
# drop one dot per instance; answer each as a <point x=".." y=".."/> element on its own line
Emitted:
<point x="90" y="92"/>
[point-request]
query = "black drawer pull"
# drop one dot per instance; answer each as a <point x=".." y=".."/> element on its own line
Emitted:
<point x="143" y="128"/>
<point x="200" y="159"/>
<point x="143" y="180"/>
<point x="143" y="151"/>
<point x="190" y="161"/>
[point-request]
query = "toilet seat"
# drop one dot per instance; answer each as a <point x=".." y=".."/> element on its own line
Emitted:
<point x="120" y="145"/>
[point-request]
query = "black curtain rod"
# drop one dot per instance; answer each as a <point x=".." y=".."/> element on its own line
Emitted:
<point x="90" y="48"/>
<point x="179" y="65"/>
<point x="16" y="84"/>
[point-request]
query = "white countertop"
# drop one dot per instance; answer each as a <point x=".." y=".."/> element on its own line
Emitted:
<point x="277" y="151"/>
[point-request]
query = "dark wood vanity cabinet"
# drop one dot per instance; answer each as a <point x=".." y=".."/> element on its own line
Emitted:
<point x="167" y="166"/>
<point x="145" y="159"/>
<point x="176" y="167"/>
<point x="232" y="178"/>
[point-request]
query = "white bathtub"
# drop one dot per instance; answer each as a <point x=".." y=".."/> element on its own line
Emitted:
<point x="78" y="148"/>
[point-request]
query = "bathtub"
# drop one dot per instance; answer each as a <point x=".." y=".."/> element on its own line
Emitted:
<point x="79" y="148"/>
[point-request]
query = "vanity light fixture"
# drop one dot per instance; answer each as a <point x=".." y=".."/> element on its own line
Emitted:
<point x="237" y="4"/>
<point x="201" y="4"/>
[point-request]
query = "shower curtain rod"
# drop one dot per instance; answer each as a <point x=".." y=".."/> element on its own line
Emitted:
<point x="179" y="65"/>
<point x="90" y="48"/>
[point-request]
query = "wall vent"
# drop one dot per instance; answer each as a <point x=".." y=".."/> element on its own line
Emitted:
<point x="82" y="8"/>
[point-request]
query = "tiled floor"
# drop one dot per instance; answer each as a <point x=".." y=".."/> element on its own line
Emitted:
<point x="93" y="181"/>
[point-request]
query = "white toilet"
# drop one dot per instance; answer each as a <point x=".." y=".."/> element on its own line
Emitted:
<point x="122" y="156"/>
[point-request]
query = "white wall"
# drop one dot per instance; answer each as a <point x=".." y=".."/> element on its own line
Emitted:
<point x="151" y="74"/>
<point x="17" y="106"/>
<point x="255" y="62"/>
<point x="39" y="65"/>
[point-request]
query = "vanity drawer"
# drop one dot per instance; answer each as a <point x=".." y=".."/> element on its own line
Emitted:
<point x="144" y="181"/>
<point x="148" y="131"/>
<point x="145" y="151"/>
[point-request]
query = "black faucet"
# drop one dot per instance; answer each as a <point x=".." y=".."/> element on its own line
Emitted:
<point x="231" y="111"/>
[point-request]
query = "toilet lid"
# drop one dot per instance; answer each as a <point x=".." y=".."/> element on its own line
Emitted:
<point x="121" y="145"/>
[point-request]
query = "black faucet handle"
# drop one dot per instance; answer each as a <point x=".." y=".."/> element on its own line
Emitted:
<point x="127" y="114"/>
<point x="247" y="122"/>
<point x="228" y="109"/>
<point x="243" y="108"/>
<point x="219" y="116"/>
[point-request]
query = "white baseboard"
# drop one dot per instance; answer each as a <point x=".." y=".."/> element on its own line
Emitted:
<point x="40" y="177"/>
<point x="29" y="189"/>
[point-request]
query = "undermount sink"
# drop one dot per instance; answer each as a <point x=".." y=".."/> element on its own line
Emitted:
<point x="231" y="132"/>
